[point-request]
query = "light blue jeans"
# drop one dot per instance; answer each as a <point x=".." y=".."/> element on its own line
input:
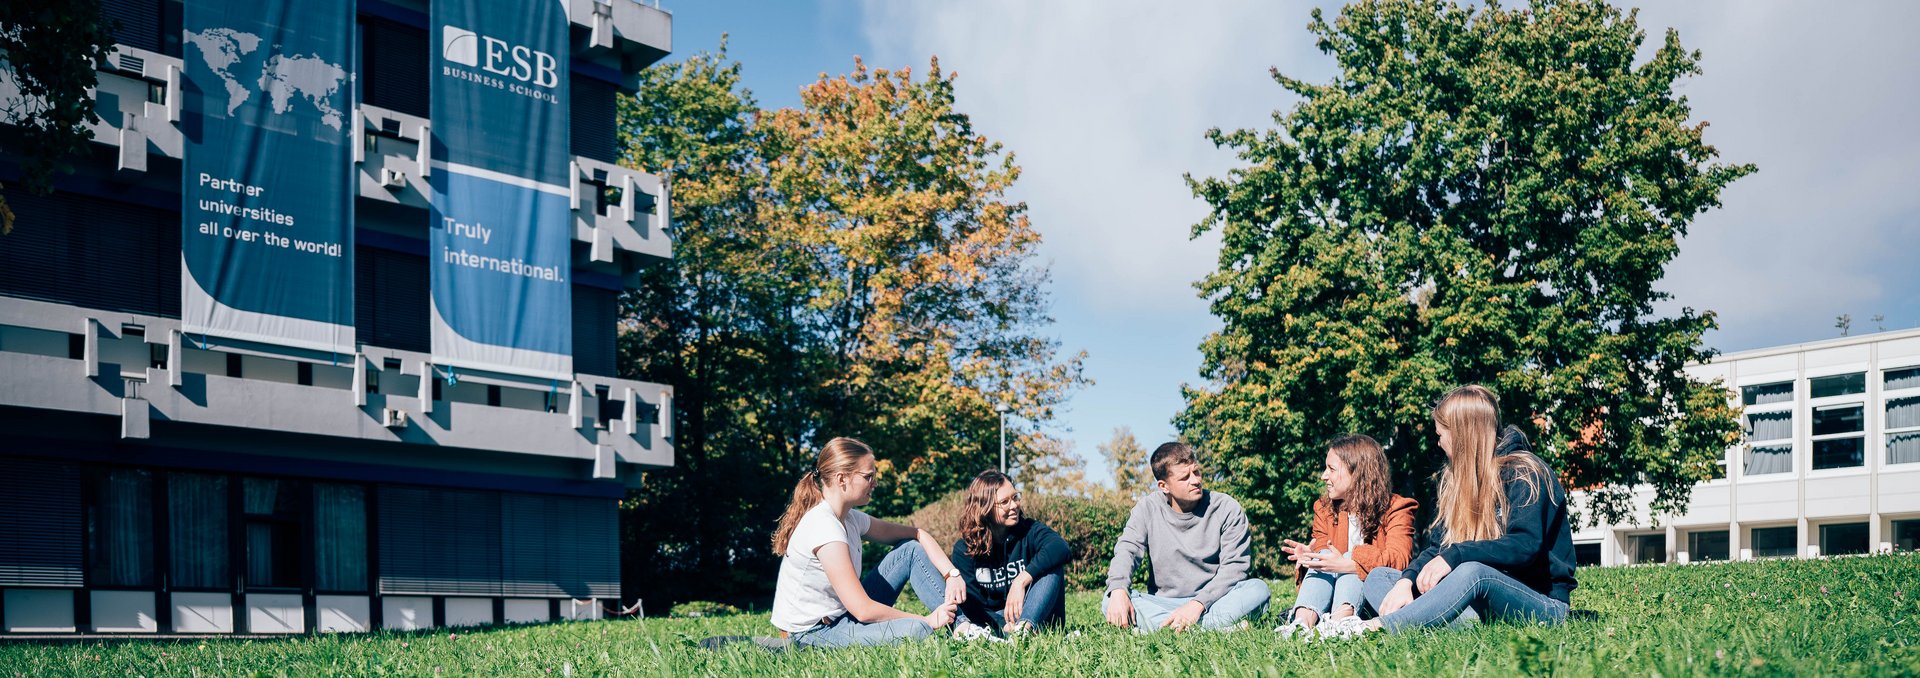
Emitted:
<point x="1324" y="592"/>
<point x="906" y="564"/>
<point x="1150" y="612"/>
<point x="1471" y="590"/>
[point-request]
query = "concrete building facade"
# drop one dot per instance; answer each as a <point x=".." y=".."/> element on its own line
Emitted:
<point x="154" y="481"/>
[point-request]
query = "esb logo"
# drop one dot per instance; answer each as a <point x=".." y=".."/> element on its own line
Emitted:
<point x="497" y="56"/>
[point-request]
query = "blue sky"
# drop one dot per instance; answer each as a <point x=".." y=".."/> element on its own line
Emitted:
<point x="1105" y="102"/>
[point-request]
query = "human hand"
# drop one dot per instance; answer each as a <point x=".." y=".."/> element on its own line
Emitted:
<point x="1401" y="594"/>
<point x="1432" y="573"/>
<point x="1295" y="550"/>
<point x="1327" y="561"/>
<point x="1017" y="597"/>
<point x="1120" y="609"/>
<point x="1186" y="615"/>
<point x="956" y="590"/>
<point x="941" y="617"/>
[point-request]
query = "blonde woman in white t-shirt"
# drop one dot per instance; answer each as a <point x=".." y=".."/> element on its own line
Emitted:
<point x="821" y="599"/>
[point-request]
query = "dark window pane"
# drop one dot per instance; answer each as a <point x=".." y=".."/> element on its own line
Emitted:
<point x="197" y="525"/>
<point x="1775" y="542"/>
<point x="1586" y="554"/>
<point x="1839" y="453"/>
<point x="1707" y="545"/>
<point x="120" y="529"/>
<point x="340" y="538"/>
<point x="1839" y="540"/>
<point x="1762" y="394"/>
<point x="1840" y="384"/>
<point x="273" y="532"/>
<point x="1904" y="378"/>
<point x="1906" y="534"/>
<point x="1839" y="419"/>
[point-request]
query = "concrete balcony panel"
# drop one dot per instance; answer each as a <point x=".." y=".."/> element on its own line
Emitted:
<point x="617" y="208"/>
<point x="1769" y="501"/>
<point x="1900" y="489"/>
<point x="391" y="149"/>
<point x="623" y="36"/>
<point x="1846" y="495"/>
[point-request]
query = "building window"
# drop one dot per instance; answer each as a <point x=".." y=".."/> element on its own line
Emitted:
<point x="1707" y="545"/>
<point x="1648" y="548"/>
<point x="1837" y="385"/>
<point x="1586" y="554"/>
<point x="197" y="527"/>
<point x="120" y="529"/>
<point x="340" y="538"/>
<point x="1903" y="428"/>
<point x="1906" y="535"/>
<point x="1905" y="378"/>
<point x="1843" y="539"/>
<point x="1769" y="419"/>
<point x="1775" y="542"/>
<point x="272" y="517"/>
<point x="1839" y="436"/>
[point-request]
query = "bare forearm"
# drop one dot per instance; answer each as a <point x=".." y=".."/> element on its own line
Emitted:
<point x="935" y="554"/>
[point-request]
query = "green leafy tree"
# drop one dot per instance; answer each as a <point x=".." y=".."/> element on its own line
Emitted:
<point x="1480" y="195"/>
<point x="50" y="52"/>
<point x="847" y="267"/>
<point x="1128" y="461"/>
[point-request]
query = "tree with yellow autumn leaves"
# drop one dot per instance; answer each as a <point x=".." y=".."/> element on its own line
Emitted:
<point x="850" y="266"/>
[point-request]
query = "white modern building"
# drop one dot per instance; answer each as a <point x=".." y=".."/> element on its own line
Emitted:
<point x="1830" y="464"/>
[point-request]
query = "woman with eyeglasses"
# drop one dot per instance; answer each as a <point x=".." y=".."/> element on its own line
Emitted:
<point x="1012" y="564"/>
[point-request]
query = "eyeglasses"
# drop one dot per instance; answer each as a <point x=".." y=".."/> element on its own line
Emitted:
<point x="1009" y="501"/>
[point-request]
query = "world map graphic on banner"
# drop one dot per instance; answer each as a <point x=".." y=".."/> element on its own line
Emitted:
<point x="283" y="77"/>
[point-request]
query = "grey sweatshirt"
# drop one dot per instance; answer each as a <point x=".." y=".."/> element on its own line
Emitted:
<point x="1199" y="555"/>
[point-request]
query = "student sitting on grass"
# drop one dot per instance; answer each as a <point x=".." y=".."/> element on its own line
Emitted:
<point x="1501" y="543"/>
<point x="1359" y="525"/>
<point x="1199" y="552"/>
<point x="821" y="600"/>
<point x="1012" y="563"/>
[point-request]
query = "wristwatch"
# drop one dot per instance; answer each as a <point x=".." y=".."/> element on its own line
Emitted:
<point x="953" y="573"/>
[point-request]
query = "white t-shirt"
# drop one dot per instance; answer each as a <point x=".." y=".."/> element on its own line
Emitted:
<point x="803" y="595"/>
<point x="1354" y="536"/>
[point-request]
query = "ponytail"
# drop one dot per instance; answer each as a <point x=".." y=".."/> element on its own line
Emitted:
<point x="838" y="457"/>
<point x="806" y="495"/>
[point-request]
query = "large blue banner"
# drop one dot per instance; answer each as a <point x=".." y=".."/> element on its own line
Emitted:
<point x="267" y="217"/>
<point x="501" y="217"/>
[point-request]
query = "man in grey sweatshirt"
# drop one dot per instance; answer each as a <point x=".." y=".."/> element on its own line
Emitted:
<point x="1198" y="549"/>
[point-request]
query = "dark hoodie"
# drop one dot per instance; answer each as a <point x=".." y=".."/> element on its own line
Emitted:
<point x="1536" y="548"/>
<point x="1028" y="547"/>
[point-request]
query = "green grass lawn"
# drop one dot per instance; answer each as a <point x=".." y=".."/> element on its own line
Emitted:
<point x="1846" y="616"/>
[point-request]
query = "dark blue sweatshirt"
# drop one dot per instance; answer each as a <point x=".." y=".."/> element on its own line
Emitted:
<point x="1028" y="547"/>
<point x="1537" y="546"/>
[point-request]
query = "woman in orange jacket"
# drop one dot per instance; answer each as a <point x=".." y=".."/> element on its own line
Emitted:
<point x="1358" y="525"/>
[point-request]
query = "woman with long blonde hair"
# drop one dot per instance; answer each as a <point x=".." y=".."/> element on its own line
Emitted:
<point x="1012" y="563"/>
<point x="821" y="600"/>
<point x="1500" y="543"/>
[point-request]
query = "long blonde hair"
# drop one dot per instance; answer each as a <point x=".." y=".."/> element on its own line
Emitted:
<point x="1473" y="500"/>
<point x="839" y="457"/>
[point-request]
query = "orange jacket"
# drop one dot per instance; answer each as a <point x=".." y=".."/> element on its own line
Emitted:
<point x="1392" y="547"/>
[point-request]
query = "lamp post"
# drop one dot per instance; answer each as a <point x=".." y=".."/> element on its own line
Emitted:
<point x="1002" y="409"/>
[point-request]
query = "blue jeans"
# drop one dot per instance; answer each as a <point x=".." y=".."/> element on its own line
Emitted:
<point x="1150" y="612"/>
<point x="1324" y="592"/>
<point x="1046" y="605"/>
<point x="906" y="564"/>
<point x="1470" y="590"/>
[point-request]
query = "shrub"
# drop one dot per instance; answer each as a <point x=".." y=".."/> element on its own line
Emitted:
<point x="1090" y="525"/>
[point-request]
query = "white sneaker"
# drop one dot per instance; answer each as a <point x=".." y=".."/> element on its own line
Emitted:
<point x="970" y="631"/>
<point x="1344" y="627"/>
<point x="1293" y="630"/>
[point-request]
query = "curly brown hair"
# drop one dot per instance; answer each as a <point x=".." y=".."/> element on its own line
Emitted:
<point x="1372" y="492"/>
<point x="977" y="511"/>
